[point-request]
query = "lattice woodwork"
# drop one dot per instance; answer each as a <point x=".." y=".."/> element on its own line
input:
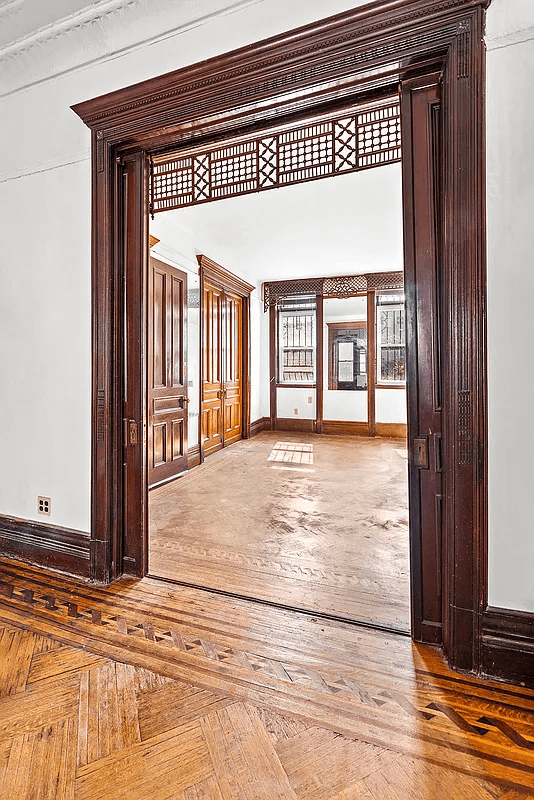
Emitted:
<point x="338" y="286"/>
<point x="359" y="139"/>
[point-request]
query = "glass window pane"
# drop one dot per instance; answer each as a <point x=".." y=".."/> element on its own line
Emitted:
<point x="345" y="371"/>
<point x="345" y="351"/>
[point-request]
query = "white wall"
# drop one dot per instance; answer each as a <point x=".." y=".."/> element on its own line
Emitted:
<point x="390" y="405"/>
<point x="510" y="159"/>
<point x="295" y="402"/>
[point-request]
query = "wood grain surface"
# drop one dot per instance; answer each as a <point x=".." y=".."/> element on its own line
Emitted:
<point x="145" y="690"/>
<point x="313" y="522"/>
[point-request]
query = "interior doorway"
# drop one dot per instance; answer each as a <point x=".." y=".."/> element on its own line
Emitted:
<point x="365" y="52"/>
<point x="312" y="511"/>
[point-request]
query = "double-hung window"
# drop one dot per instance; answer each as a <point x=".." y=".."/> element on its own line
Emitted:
<point x="297" y="340"/>
<point x="390" y="339"/>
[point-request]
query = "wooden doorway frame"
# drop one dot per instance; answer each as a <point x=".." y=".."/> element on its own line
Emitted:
<point x="351" y="56"/>
<point x="226" y="281"/>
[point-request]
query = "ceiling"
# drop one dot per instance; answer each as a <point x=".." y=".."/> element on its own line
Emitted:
<point x="349" y="224"/>
<point x="22" y="18"/>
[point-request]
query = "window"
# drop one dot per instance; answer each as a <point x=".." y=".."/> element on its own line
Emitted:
<point x="347" y="351"/>
<point x="390" y="341"/>
<point x="297" y="340"/>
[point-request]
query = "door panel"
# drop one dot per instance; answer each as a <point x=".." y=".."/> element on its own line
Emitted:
<point x="212" y="382"/>
<point x="233" y="377"/>
<point x="421" y="177"/>
<point x="167" y="384"/>
<point x="222" y="422"/>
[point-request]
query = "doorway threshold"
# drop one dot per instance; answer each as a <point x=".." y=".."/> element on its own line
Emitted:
<point x="374" y="626"/>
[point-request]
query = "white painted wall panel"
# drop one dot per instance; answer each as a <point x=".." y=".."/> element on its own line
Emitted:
<point x="510" y="161"/>
<point x="287" y="400"/>
<point x="390" y="405"/>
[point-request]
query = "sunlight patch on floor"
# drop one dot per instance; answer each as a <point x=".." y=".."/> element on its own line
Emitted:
<point x="292" y="453"/>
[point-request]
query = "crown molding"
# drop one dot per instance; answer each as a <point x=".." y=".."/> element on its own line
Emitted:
<point x="524" y="34"/>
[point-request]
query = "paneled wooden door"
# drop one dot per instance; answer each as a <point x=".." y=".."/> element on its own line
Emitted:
<point x="167" y="372"/>
<point x="222" y="359"/>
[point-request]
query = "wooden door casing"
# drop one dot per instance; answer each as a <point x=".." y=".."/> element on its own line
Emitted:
<point x="233" y="367"/>
<point x="222" y="359"/>
<point x="364" y="50"/>
<point x="422" y="263"/>
<point x="212" y="369"/>
<point x="167" y="370"/>
<point x="225" y="357"/>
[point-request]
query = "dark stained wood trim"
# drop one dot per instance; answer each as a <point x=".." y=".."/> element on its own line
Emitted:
<point x="319" y="365"/>
<point x="267" y="424"/>
<point x="339" y="427"/>
<point x="299" y="425"/>
<point x="133" y="298"/>
<point x="393" y="430"/>
<point x="193" y="456"/>
<point x="273" y="366"/>
<point x="371" y="361"/>
<point x="390" y="386"/>
<point x="326" y="64"/>
<point x="258" y="426"/>
<point x="508" y="645"/>
<point x="46" y="545"/>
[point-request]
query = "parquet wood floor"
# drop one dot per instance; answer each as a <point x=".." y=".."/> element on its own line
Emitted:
<point x="320" y="524"/>
<point x="145" y="690"/>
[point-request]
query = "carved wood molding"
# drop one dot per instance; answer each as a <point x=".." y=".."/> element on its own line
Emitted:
<point x="353" y="57"/>
<point x="357" y="138"/>
<point x="286" y="63"/>
<point x="337" y="286"/>
<point x="223" y="278"/>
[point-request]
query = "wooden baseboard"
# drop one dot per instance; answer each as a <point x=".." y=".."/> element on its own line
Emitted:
<point x="267" y="424"/>
<point x="507" y="648"/>
<point x="258" y="425"/>
<point x="297" y="425"/>
<point x="193" y="456"/>
<point x="45" y="545"/>
<point x="392" y="430"/>
<point x="338" y="427"/>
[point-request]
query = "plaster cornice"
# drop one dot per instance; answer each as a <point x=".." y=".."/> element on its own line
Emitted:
<point x="90" y="36"/>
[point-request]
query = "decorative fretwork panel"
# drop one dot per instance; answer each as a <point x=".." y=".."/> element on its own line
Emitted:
<point x="338" y="286"/>
<point x="357" y="140"/>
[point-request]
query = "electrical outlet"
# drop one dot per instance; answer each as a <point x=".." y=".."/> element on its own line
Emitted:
<point x="296" y="410"/>
<point x="44" y="505"/>
<point x="310" y="399"/>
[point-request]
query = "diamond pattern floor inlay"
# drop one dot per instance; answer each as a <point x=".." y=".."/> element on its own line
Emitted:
<point x="141" y="676"/>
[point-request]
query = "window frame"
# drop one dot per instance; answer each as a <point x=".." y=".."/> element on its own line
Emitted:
<point x="288" y="311"/>
<point x="333" y="328"/>
<point x="384" y="383"/>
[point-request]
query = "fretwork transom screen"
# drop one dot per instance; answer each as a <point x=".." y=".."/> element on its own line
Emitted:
<point x="353" y="140"/>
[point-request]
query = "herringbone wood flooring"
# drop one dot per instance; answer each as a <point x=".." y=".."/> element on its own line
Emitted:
<point x="145" y="691"/>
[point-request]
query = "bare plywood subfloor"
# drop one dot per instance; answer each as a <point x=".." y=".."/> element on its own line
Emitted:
<point x="314" y="522"/>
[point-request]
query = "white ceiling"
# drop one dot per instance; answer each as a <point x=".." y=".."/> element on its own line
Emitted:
<point x="21" y="18"/>
<point x="349" y="224"/>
